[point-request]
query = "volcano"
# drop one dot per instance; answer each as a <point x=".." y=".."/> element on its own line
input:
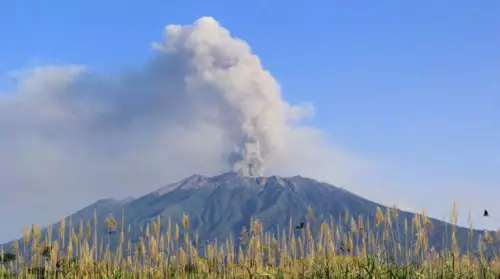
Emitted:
<point x="222" y="205"/>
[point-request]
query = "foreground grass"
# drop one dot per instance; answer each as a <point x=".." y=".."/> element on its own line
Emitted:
<point x="353" y="252"/>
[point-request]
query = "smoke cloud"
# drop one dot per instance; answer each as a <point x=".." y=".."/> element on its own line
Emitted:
<point x="202" y="104"/>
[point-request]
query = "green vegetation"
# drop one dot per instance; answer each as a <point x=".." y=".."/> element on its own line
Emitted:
<point x="359" y="252"/>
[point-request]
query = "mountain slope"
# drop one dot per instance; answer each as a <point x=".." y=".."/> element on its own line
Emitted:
<point x="221" y="205"/>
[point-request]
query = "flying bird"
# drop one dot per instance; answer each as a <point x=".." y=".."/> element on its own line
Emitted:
<point x="301" y="226"/>
<point x="485" y="214"/>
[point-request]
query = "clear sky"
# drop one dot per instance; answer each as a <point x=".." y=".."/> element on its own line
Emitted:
<point x="413" y="84"/>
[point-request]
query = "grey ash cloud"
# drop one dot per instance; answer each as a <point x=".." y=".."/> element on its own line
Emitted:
<point x="203" y="104"/>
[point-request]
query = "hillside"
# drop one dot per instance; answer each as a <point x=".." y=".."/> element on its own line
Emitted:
<point x="220" y="206"/>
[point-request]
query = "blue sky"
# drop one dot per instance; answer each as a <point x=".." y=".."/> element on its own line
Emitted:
<point x="414" y="84"/>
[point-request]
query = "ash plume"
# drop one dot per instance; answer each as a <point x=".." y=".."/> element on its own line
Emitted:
<point x="203" y="104"/>
<point x="246" y="97"/>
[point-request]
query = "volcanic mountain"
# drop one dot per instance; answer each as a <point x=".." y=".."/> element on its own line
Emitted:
<point x="221" y="205"/>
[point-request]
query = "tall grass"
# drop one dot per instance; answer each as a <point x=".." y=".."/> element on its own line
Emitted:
<point x="351" y="248"/>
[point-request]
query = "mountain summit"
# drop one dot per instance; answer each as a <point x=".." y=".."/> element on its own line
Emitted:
<point x="222" y="205"/>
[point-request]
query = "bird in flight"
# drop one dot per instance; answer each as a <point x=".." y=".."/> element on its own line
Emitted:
<point x="300" y="226"/>
<point x="342" y="249"/>
<point x="485" y="214"/>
